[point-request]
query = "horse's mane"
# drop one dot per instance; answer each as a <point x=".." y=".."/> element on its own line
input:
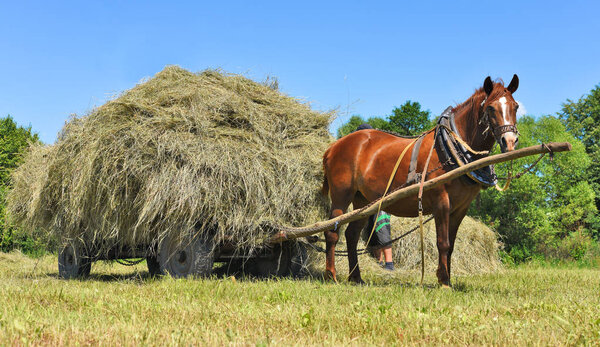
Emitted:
<point x="471" y="108"/>
<point x="473" y="103"/>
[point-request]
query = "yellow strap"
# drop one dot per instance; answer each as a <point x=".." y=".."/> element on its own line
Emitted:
<point x="422" y="245"/>
<point x="390" y="182"/>
<point x="420" y="200"/>
<point x="506" y="185"/>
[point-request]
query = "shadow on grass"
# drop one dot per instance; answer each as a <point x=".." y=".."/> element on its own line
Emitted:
<point x="138" y="277"/>
<point x="311" y="275"/>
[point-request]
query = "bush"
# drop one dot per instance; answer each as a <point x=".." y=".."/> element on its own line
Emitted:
<point x="577" y="246"/>
<point x="14" y="140"/>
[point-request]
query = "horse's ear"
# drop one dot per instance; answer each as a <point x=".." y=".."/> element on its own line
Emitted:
<point x="488" y="86"/>
<point x="514" y="84"/>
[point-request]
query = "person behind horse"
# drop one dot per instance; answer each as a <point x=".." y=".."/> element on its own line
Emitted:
<point x="378" y="239"/>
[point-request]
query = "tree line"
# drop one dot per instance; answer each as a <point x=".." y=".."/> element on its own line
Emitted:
<point x="14" y="141"/>
<point x="551" y="212"/>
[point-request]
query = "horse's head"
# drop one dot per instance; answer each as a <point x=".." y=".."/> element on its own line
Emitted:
<point x="500" y="112"/>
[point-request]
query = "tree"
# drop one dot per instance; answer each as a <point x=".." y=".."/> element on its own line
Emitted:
<point x="350" y="126"/>
<point x="543" y="207"/>
<point x="409" y="119"/>
<point x="581" y="119"/>
<point x="14" y="140"/>
<point x="356" y="120"/>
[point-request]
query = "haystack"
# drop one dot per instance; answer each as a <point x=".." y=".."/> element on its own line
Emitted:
<point x="180" y="153"/>
<point x="475" y="251"/>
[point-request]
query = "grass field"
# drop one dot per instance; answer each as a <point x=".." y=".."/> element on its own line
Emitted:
<point x="120" y="305"/>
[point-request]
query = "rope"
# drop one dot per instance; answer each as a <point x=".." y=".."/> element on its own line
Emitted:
<point x="365" y="250"/>
<point x="510" y="177"/>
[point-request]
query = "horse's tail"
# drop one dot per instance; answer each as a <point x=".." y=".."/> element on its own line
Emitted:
<point x="325" y="188"/>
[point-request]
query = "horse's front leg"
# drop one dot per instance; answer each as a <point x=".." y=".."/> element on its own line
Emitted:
<point x="441" y="213"/>
<point x="331" y="239"/>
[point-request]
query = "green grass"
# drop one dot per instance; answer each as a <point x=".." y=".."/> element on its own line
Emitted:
<point x="527" y="305"/>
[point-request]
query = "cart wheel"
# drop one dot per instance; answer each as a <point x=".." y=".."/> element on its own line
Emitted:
<point x="73" y="262"/>
<point x="288" y="259"/>
<point x="153" y="266"/>
<point x="183" y="259"/>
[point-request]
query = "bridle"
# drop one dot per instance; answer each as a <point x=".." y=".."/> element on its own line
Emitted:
<point x="499" y="130"/>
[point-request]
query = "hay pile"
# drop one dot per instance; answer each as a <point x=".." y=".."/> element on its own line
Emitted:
<point x="475" y="250"/>
<point x="180" y="152"/>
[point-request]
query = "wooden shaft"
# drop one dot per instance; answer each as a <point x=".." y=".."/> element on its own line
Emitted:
<point x="293" y="233"/>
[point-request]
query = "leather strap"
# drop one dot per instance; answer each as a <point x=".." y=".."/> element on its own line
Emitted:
<point x="413" y="176"/>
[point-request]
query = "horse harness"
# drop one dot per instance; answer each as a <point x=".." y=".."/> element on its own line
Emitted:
<point x="452" y="154"/>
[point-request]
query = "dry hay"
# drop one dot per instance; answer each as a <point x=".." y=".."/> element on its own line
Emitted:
<point x="475" y="251"/>
<point x="180" y="152"/>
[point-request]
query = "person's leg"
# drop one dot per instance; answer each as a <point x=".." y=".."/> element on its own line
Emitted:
<point x="389" y="260"/>
<point x="387" y="252"/>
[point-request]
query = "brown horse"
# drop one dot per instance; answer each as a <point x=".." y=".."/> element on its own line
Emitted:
<point x="358" y="166"/>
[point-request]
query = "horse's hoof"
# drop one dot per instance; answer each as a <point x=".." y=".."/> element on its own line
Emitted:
<point x="329" y="276"/>
<point x="445" y="286"/>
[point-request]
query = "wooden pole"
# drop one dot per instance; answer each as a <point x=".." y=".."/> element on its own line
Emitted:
<point x="289" y="233"/>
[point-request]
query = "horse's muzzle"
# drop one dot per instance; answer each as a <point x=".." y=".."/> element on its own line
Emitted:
<point x="508" y="142"/>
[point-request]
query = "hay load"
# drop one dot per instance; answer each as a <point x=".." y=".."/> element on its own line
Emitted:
<point x="178" y="153"/>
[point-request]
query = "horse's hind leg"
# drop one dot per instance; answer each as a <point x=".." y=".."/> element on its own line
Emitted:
<point x="352" y="236"/>
<point x="340" y="200"/>
<point x="331" y="239"/>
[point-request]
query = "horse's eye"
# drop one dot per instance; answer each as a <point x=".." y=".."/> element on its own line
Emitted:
<point x="517" y="107"/>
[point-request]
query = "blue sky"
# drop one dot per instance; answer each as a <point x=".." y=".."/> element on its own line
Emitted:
<point x="60" y="58"/>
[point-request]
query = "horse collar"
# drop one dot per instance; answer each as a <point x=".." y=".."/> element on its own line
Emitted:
<point x="453" y="155"/>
